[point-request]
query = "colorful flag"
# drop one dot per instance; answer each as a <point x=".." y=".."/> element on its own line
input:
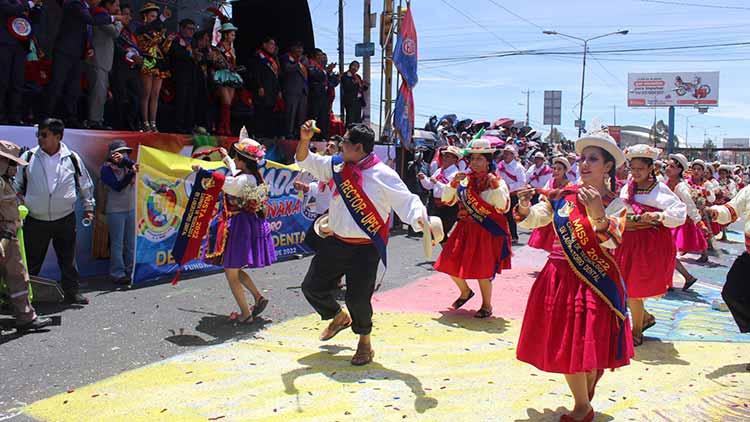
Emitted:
<point x="403" y="114"/>
<point x="405" y="52"/>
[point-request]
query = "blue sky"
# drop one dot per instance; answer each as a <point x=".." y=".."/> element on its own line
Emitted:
<point x="491" y="88"/>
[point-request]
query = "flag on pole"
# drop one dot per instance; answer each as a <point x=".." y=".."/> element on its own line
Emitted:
<point x="405" y="51"/>
<point x="403" y="114"/>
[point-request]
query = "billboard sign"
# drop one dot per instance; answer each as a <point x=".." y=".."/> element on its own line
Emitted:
<point x="552" y="107"/>
<point x="679" y="89"/>
<point x="736" y="143"/>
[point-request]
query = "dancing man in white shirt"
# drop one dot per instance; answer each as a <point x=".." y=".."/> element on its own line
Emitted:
<point x="449" y="159"/>
<point x="357" y="228"/>
<point x="515" y="177"/>
<point x="539" y="174"/>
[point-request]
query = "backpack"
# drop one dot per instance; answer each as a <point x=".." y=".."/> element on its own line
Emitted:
<point x="76" y="176"/>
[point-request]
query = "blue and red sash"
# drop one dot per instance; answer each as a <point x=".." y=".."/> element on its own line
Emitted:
<point x="268" y="60"/>
<point x="485" y="215"/>
<point x="589" y="261"/>
<point x="197" y="217"/>
<point x="362" y="210"/>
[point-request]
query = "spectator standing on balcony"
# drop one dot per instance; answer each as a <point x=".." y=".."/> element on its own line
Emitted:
<point x="51" y="184"/>
<point x="153" y="42"/>
<point x="267" y="91"/>
<point x="100" y="64"/>
<point x="226" y="78"/>
<point x="71" y="48"/>
<point x="354" y="98"/>
<point x="201" y="50"/>
<point x="185" y="73"/>
<point x="12" y="59"/>
<point x="294" y="86"/>
<point x="126" y="80"/>
<point x="322" y="79"/>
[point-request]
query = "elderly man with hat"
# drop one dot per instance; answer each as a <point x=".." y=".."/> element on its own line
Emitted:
<point x="573" y="174"/>
<point x="514" y="175"/>
<point x="448" y="163"/>
<point x="118" y="176"/>
<point x="12" y="268"/>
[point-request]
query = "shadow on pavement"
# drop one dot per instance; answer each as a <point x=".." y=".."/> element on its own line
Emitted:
<point x="328" y="360"/>
<point x="685" y="296"/>
<point x="549" y="415"/>
<point x="728" y="370"/>
<point x="657" y="352"/>
<point x="465" y="319"/>
<point x="219" y="327"/>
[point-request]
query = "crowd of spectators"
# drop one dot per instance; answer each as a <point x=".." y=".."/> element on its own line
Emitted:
<point x="111" y="66"/>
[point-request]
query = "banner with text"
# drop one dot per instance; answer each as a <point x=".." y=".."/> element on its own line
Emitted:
<point x="680" y="89"/>
<point x="163" y="188"/>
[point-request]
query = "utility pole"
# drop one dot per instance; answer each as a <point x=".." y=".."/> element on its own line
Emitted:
<point x="366" y="60"/>
<point x="528" y="94"/>
<point x="341" y="57"/>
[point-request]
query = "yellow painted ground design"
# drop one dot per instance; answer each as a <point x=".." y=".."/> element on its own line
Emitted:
<point x="428" y="368"/>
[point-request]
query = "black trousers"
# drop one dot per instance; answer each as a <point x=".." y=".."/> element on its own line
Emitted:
<point x="448" y="216"/>
<point x="266" y="121"/>
<point x="296" y="111"/>
<point x="186" y="90"/>
<point x="359" y="263"/>
<point x="319" y="109"/>
<point x="12" y="60"/>
<point x="62" y="233"/>
<point x="353" y="113"/>
<point x="126" y="92"/>
<point x="509" y="217"/>
<point x="65" y="85"/>
<point x="736" y="292"/>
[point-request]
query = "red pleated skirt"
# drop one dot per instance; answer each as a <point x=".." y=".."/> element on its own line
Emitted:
<point x="689" y="237"/>
<point x="567" y="328"/>
<point x="716" y="228"/>
<point x="543" y="238"/>
<point x="471" y="252"/>
<point x="647" y="259"/>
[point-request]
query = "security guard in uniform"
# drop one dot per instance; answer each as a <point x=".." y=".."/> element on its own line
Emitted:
<point x="12" y="269"/>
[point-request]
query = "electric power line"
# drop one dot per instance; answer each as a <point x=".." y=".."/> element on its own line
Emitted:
<point x="679" y="3"/>
<point x="479" y="24"/>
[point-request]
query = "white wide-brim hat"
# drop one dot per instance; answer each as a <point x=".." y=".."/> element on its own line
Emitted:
<point x="321" y="227"/>
<point x="432" y="233"/>
<point x="603" y="141"/>
<point x="562" y="161"/>
<point x="479" y="146"/>
<point x="642" y="151"/>
<point x="698" y="162"/>
<point x="680" y="159"/>
<point x="726" y="167"/>
<point x="539" y="154"/>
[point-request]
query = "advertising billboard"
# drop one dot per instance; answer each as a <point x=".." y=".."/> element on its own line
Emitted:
<point x="679" y="89"/>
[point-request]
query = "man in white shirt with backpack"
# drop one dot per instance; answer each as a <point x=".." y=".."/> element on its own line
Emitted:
<point x="51" y="184"/>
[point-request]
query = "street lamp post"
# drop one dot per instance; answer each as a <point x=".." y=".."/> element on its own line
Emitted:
<point x="583" y="72"/>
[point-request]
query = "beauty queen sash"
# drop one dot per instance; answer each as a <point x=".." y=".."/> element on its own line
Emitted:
<point x="485" y="215"/>
<point x="348" y="180"/>
<point x="197" y="217"/>
<point x="588" y="260"/>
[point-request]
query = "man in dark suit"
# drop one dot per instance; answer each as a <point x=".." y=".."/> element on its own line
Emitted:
<point x="71" y="48"/>
<point x="266" y="89"/>
<point x="13" y="50"/>
<point x="185" y="73"/>
<point x="126" y="81"/>
<point x="294" y="87"/>
<point x="321" y="79"/>
<point x="100" y="64"/>
<point x="353" y="98"/>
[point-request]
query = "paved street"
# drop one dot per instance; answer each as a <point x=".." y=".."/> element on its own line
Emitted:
<point x="164" y="353"/>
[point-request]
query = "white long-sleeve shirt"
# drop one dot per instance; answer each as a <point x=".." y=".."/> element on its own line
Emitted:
<point x="322" y="193"/>
<point x="573" y="174"/>
<point x="514" y="169"/>
<point x="498" y="198"/>
<point x="673" y="210"/>
<point x="381" y="184"/>
<point x="682" y="190"/>
<point x="235" y="182"/>
<point x="437" y="186"/>
<point x="737" y="208"/>
<point x="536" y="179"/>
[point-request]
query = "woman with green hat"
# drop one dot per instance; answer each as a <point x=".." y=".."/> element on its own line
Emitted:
<point x="225" y="76"/>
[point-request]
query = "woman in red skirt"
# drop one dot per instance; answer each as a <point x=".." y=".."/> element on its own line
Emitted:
<point x="543" y="237"/>
<point x="691" y="236"/>
<point x="647" y="255"/>
<point x="576" y="316"/>
<point x="474" y="250"/>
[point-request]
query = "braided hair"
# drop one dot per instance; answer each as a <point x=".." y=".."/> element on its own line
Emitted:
<point x="608" y="158"/>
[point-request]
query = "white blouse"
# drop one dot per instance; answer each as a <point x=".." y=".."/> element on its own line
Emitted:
<point x="673" y="210"/>
<point x="437" y="186"/>
<point x="498" y="198"/>
<point x="235" y="181"/>
<point x="741" y="205"/>
<point x="683" y="191"/>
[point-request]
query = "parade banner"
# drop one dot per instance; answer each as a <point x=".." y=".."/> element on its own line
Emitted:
<point x="164" y="185"/>
<point x="679" y="89"/>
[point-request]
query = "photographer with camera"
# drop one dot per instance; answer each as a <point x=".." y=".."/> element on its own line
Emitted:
<point x="118" y="176"/>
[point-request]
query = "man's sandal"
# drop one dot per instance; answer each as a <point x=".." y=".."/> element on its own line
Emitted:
<point x="363" y="357"/>
<point x="333" y="329"/>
